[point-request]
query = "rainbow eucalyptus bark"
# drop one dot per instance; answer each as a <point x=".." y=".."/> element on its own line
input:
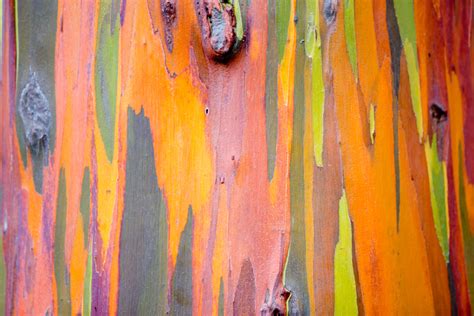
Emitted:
<point x="218" y="157"/>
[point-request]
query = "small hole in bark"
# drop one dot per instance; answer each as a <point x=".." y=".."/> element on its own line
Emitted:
<point x="206" y="111"/>
<point x="285" y="294"/>
<point x="438" y="113"/>
<point x="277" y="312"/>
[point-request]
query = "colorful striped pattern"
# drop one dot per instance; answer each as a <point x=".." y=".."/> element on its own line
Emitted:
<point x="292" y="156"/>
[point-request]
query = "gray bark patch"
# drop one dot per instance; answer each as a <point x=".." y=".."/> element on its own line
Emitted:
<point x="35" y="114"/>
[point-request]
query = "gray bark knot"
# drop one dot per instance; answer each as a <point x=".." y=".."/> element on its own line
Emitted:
<point x="35" y="115"/>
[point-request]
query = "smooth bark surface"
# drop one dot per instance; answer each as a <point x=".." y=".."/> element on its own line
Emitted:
<point x="237" y="157"/>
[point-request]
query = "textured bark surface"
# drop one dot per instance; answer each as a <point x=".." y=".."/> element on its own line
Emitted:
<point x="237" y="157"/>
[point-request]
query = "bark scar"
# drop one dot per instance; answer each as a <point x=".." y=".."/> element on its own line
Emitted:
<point x="218" y="27"/>
<point x="35" y="115"/>
<point x="439" y="121"/>
<point x="168" y="12"/>
<point x="278" y="304"/>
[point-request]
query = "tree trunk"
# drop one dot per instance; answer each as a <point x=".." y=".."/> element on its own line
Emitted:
<point x="237" y="157"/>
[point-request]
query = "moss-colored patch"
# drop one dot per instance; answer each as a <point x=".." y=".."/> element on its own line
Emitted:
<point x="86" y="299"/>
<point x="349" y="29"/>
<point x="283" y="8"/>
<point x="437" y="178"/>
<point x="313" y="51"/>
<point x="344" y="280"/>
<point x="106" y="72"/>
<point x="85" y="205"/>
<point x="61" y="272"/>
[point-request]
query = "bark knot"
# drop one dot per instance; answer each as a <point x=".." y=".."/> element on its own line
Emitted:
<point x="218" y="26"/>
<point x="35" y="114"/>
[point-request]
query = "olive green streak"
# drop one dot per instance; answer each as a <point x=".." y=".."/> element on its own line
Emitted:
<point x="349" y="29"/>
<point x="413" y="78"/>
<point x="404" y="10"/>
<point x="61" y="272"/>
<point x="345" y="293"/>
<point x="468" y="237"/>
<point x="295" y="274"/>
<point x="283" y="8"/>
<point x="239" y="28"/>
<point x="85" y="206"/>
<point x="220" y="309"/>
<point x="86" y="300"/>
<point x="85" y="213"/>
<point x="106" y="72"/>
<point x="313" y="51"/>
<point x="436" y="175"/>
<point x="182" y="281"/>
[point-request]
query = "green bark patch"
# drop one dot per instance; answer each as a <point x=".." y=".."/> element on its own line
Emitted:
<point x="36" y="23"/>
<point x="61" y="271"/>
<point x="182" y="283"/>
<point x="295" y="274"/>
<point x="106" y="72"/>
<point x="349" y="30"/>
<point x="85" y="205"/>
<point x="87" y="297"/>
<point x="283" y="9"/>
<point x="220" y="308"/>
<point x="436" y="174"/>
<point x="313" y="51"/>
<point x="405" y="13"/>
<point x="344" y="280"/>
<point x="468" y="236"/>
<point x="144" y="236"/>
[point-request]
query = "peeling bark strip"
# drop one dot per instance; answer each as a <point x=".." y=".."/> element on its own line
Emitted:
<point x="148" y="166"/>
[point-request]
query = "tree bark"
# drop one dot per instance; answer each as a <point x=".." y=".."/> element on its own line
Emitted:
<point x="237" y="157"/>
